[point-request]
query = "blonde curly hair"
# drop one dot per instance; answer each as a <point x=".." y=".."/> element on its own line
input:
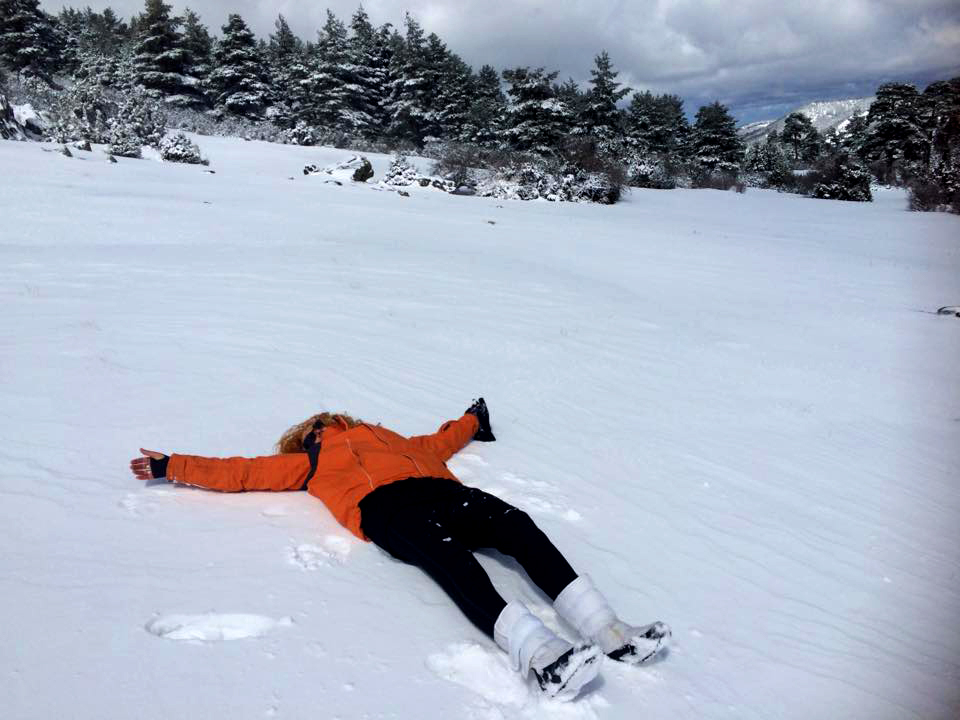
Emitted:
<point x="292" y="440"/>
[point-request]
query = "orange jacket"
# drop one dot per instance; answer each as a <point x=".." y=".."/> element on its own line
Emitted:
<point x="351" y="464"/>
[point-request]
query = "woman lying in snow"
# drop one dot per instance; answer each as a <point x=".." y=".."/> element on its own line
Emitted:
<point x="398" y="492"/>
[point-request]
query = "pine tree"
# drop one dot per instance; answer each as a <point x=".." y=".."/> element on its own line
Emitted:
<point x="939" y="110"/>
<point x="104" y="32"/>
<point x="368" y="49"/>
<point x="657" y="124"/>
<point x="409" y="92"/>
<point x="28" y="43"/>
<point x="197" y="46"/>
<point x="716" y="146"/>
<point x="456" y="87"/>
<point x="438" y="66"/>
<point x="853" y="135"/>
<point x="600" y="117"/>
<point x="332" y="79"/>
<point x="159" y="56"/>
<point x="893" y="133"/>
<point x="72" y="28"/>
<point x="535" y="116"/>
<point x="800" y="135"/>
<point x="486" y="114"/>
<point x="236" y="81"/>
<point x="574" y="102"/>
<point x="289" y="74"/>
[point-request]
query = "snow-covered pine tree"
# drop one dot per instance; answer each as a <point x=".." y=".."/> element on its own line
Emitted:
<point x="600" y="117"/>
<point x="487" y="108"/>
<point x="574" y="102"/>
<point x="940" y="120"/>
<point x="287" y="67"/>
<point x="535" y="115"/>
<point x="159" y="57"/>
<point x="408" y="105"/>
<point x="71" y="29"/>
<point x="456" y="87"/>
<point x="28" y="43"/>
<point x="104" y="32"/>
<point x="437" y="63"/>
<point x="486" y="113"/>
<point x="237" y="80"/>
<point x="332" y="80"/>
<point x="716" y="146"/>
<point x="370" y="55"/>
<point x="657" y="124"/>
<point x="197" y="45"/>
<point x="893" y="136"/>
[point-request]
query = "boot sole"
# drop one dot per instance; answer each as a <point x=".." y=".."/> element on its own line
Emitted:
<point x="643" y="647"/>
<point x="581" y="667"/>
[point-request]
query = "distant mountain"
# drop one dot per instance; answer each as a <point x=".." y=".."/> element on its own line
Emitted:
<point x="824" y="115"/>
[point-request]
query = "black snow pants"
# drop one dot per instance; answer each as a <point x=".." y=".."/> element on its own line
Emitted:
<point x="435" y="524"/>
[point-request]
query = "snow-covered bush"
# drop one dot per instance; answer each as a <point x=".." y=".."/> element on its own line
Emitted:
<point x="139" y="121"/>
<point x="840" y="178"/>
<point x="143" y="116"/>
<point x="539" y="180"/>
<point x="400" y="172"/>
<point x="937" y="191"/>
<point x="181" y="149"/>
<point x="651" y="171"/>
<point x="457" y="162"/>
<point x="302" y="134"/>
<point x="83" y="112"/>
<point x="123" y="141"/>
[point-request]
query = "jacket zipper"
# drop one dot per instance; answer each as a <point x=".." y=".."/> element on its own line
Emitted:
<point x="360" y="463"/>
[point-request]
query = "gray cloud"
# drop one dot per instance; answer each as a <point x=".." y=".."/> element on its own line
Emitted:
<point x="757" y="56"/>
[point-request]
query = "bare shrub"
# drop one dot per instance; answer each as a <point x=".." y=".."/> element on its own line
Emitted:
<point x="715" y="180"/>
<point x="935" y="192"/>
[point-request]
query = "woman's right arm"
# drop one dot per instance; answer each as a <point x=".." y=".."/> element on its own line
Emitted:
<point x="235" y="474"/>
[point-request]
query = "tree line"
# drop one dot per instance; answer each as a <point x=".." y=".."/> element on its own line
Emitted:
<point x="403" y="86"/>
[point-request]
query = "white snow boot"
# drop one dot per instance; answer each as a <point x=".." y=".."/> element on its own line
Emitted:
<point x="582" y="605"/>
<point x="561" y="669"/>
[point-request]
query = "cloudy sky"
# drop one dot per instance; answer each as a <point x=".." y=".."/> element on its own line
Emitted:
<point x="760" y="57"/>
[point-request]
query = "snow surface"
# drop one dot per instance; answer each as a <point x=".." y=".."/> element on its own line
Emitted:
<point x="738" y="413"/>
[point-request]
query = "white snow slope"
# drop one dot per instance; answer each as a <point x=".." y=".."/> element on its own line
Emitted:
<point x="734" y="411"/>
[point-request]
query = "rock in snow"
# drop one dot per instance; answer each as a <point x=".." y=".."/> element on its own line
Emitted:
<point x="10" y="129"/>
<point x="356" y="169"/>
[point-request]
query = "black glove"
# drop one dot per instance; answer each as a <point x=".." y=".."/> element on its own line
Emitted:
<point x="479" y="410"/>
<point x="159" y="467"/>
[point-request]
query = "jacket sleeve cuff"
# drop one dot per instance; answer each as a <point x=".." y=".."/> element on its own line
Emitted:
<point x="158" y="468"/>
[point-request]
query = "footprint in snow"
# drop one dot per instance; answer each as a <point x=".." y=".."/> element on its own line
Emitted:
<point x="214" y="627"/>
<point x="307" y="556"/>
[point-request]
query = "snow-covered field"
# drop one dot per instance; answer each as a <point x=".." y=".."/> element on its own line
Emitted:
<point x="736" y="412"/>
